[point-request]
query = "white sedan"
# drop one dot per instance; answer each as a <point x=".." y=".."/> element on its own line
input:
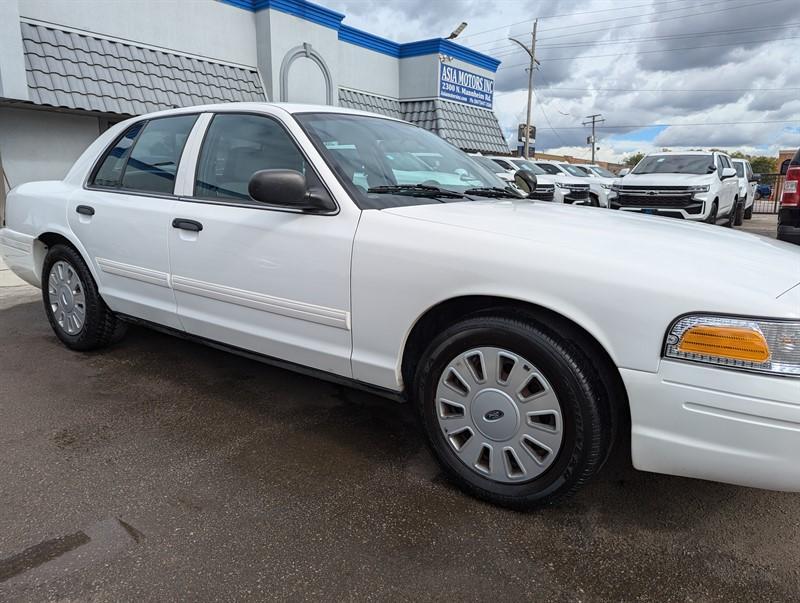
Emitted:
<point x="533" y="338"/>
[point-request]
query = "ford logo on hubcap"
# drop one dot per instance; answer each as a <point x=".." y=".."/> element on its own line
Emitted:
<point x="494" y="415"/>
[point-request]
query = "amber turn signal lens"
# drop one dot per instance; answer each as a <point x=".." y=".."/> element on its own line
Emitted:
<point x="736" y="343"/>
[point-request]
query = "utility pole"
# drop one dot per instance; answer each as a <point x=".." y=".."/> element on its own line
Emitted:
<point x="594" y="121"/>
<point x="532" y="53"/>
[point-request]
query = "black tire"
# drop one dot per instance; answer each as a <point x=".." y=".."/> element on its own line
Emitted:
<point x="100" y="327"/>
<point x="712" y="216"/>
<point x="594" y="200"/>
<point x="588" y="427"/>
<point x="748" y="213"/>
<point x="738" y="218"/>
<point x="732" y="214"/>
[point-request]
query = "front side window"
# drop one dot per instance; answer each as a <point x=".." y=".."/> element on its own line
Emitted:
<point x="720" y="166"/>
<point x="153" y="162"/>
<point x="236" y="147"/>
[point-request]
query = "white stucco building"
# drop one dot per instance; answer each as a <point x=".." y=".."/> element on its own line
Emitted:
<point x="70" y="68"/>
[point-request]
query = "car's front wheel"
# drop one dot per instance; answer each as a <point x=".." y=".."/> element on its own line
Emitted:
<point x="738" y="219"/>
<point x="512" y="411"/>
<point x="748" y="213"/>
<point x="76" y="312"/>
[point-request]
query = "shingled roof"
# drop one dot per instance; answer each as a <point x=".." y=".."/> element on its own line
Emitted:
<point x="78" y="71"/>
<point x="469" y="128"/>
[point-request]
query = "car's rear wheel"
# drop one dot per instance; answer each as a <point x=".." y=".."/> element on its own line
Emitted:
<point x="76" y="312"/>
<point x="513" y="413"/>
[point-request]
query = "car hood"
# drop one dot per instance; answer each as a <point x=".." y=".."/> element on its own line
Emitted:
<point x="664" y="179"/>
<point x="689" y="254"/>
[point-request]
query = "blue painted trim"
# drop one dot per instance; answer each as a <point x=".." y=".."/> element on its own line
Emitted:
<point x="351" y="35"/>
<point x="332" y="19"/>
<point x="298" y="8"/>
<point x="451" y="49"/>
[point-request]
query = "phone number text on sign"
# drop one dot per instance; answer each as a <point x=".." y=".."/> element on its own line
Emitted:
<point x="466" y="87"/>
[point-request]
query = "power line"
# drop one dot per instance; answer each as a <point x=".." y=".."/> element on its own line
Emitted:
<point x="649" y="22"/>
<point x="705" y="90"/>
<point x="720" y="32"/>
<point x="547" y="119"/>
<point x="589" y="12"/>
<point x="622" y="54"/>
<point x="694" y="125"/>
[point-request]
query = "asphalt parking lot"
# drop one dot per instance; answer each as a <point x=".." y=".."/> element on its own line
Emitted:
<point x="165" y="470"/>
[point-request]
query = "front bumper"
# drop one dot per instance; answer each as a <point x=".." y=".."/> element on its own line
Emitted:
<point x="716" y="424"/>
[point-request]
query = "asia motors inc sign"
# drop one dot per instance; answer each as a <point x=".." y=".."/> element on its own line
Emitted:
<point x="466" y="87"/>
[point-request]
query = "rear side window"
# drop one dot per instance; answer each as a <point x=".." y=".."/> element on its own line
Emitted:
<point x="153" y="163"/>
<point x="110" y="171"/>
<point x="237" y="146"/>
<point x="146" y="157"/>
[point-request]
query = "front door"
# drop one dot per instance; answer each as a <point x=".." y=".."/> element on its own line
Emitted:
<point x="255" y="277"/>
<point x="122" y="218"/>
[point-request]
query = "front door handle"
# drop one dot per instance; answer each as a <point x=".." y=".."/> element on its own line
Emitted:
<point x="85" y="210"/>
<point x="185" y="224"/>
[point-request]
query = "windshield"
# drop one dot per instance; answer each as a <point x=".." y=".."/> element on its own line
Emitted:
<point x="602" y="172"/>
<point x="675" y="164"/>
<point x="575" y="170"/>
<point x="386" y="163"/>
<point x="487" y="163"/>
<point x="527" y="165"/>
<point x="739" y="169"/>
<point x="550" y="168"/>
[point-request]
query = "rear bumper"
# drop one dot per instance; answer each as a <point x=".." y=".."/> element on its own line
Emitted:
<point x="789" y="224"/>
<point x="17" y="251"/>
<point x="715" y="424"/>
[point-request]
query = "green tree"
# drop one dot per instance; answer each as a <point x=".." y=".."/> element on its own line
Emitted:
<point x="763" y="165"/>
<point x="632" y="160"/>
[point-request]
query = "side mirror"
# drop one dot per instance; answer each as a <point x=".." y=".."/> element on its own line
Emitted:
<point x="525" y="181"/>
<point x="624" y="172"/>
<point x="285" y="188"/>
<point x="727" y="173"/>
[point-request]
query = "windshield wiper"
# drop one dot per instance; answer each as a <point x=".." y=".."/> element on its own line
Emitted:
<point x="495" y="192"/>
<point x="416" y="190"/>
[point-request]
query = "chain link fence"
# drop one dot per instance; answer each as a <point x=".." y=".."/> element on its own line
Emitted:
<point x="768" y="193"/>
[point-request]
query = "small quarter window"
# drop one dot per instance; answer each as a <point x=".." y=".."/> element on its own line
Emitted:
<point x="153" y="163"/>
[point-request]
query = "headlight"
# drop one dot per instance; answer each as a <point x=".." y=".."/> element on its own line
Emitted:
<point x="752" y="344"/>
<point x="700" y="188"/>
<point x="605" y="186"/>
<point x="563" y="186"/>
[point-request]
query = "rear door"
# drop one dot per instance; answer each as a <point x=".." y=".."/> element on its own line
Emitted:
<point x="122" y="217"/>
<point x="271" y="280"/>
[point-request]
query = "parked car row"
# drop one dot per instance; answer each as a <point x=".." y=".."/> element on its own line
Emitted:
<point x="700" y="186"/>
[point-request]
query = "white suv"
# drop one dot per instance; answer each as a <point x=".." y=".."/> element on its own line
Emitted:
<point x="747" y="189"/>
<point x="568" y="189"/>
<point x="693" y="185"/>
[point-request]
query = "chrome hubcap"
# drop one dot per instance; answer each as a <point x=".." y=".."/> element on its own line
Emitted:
<point x="499" y="414"/>
<point x="67" y="297"/>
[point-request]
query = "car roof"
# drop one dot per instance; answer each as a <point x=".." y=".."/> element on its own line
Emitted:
<point x="291" y="108"/>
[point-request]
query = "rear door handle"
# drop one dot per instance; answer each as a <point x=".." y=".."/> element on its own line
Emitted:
<point x="86" y="210"/>
<point x="185" y="224"/>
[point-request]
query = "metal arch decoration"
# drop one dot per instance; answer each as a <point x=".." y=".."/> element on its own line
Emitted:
<point x="305" y="50"/>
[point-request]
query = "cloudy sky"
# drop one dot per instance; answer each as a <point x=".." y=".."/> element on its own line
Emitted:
<point x="646" y="65"/>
